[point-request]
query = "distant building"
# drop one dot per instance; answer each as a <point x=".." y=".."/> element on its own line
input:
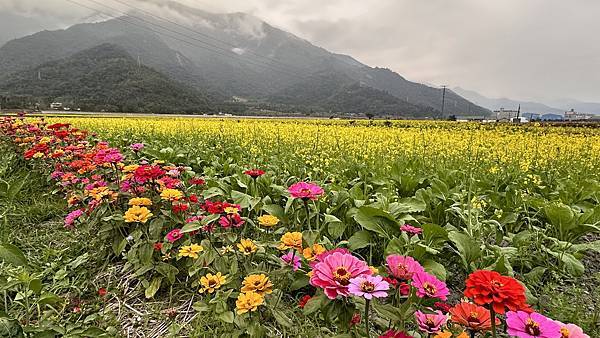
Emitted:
<point x="506" y="114"/>
<point x="572" y="115"/>
<point x="56" y="105"/>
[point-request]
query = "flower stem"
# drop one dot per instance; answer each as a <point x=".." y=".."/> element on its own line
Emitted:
<point x="367" y="303"/>
<point x="307" y="215"/>
<point x="493" y="319"/>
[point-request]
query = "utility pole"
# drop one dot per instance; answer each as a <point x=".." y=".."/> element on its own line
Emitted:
<point x="443" y="98"/>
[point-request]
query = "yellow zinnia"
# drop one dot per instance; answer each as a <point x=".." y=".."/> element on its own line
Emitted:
<point x="190" y="250"/>
<point x="137" y="214"/>
<point x="257" y="283"/>
<point x="211" y="282"/>
<point x="291" y="240"/>
<point x="171" y="194"/>
<point x="249" y="301"/>
<point x="310" y="253"/>
<point x="231" y="210"/>
<point x="140" y="201"/>
<point x="247" y="247"/>
<point x="268" y="221"/>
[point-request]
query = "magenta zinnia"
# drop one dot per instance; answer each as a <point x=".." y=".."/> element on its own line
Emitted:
<point x="428" y="285"/>
<point x="305" y="191"/>
<point x="431" y="322"/>
<point x="368" y="287"/>
<point x="334" y="272"/>
<point x="291" y="259"/>
<point x="525" y="325"/>
<point x="403" y="267"/>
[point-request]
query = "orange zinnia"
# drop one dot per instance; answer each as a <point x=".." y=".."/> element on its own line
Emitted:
<point x="471" y="316"/>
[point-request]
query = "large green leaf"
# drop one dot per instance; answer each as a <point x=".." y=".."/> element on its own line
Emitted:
<point x="12" y="255"/>
<point x="407" y="205"/>
<point x="560" y="215"/>
<point x="435" y="268"/>
<point x="359" y="240"/>
<point x="153" y="287"/>
<point x="468" y="248"/>
<point x="377" y="220"/>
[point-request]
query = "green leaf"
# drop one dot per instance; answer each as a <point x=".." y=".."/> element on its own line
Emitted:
<point x="377" y="220"/>
<point x="12" y="255"/>
<point x="48" y="298"/>
<point x="300" y="281"/>
<point x="560" y="216"/>
<point x="153" y="287"/>
<point x="435" y="268"/>
<point x="119" y="244"/>
<point x="226" y="317"/>
<point x="468" y="248"/>
<point x="407" y="205"/>
<point x="201" y="306"/>
<point x="313" y="304"/>
<point x="275" y="210"/>
<point x="359" y="240"/>
<point x="10" y="328"/>
<point x="35" y="285"/>
<point x="281" y="318"/>
<point x="336" y="229"/>
<point x="167" y="270"/>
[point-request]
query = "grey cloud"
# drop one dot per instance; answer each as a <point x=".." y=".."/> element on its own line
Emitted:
<point x="524" y="49"/>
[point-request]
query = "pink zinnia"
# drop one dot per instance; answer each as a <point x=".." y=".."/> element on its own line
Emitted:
<point x="71" y="217"/>
<point x="411" y="229"/>
<point x="333" y="274"/>
<point x="174" y="235"/>
<point x="431" y="322"/>
<point x="292" y="260"/>
<point x="403" y="267"/>
<point x="368" y="286"/>
<point x="305" y="191"/>
<point x="395" y="334"/>
<point x="428" y="285"/>
<point x="525" y="325"/>
<point x="137" y="146"/>
<point x="571" y="331"/>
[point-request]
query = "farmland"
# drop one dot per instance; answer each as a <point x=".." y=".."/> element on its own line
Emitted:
<point x="169" y="222"/>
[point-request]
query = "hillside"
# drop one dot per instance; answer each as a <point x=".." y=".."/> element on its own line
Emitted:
<point x="104" y="77"/>
<point x="226" y="55"/>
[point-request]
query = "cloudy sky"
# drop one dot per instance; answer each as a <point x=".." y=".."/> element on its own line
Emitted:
<point x="522" y="49"/>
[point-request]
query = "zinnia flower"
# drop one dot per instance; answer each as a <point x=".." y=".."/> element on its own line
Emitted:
<point x="257" y="283"/>
<point x="136" y="146"/>
<point x="411" y="229"/>
<point x="174" y="235"/>
<point x="472" y="316"/>
<point x="311" y="253"/>
<point x="431" y="322"/>
<point x="248" y="301"/>
<point x="72" y="217"/>
<point x="292" y="260"/>
<point x="140" y="201"/>
<point x="368" y="287"/>
<point x="395" y="334"/>
<point x="305" y="191"/>
<point x="254" y="173"/>
<point x="190" y="251"/>
<point x="210" y="283"/>
<point x="302" y="302"/>
<point x="571" y="331"/>
<point x="403" y="267"/>
<point x="247" y="246"/>
<point x="137" y="214"/>
<point x="268" y="221"/>
<point x="429" y="286"/>
<point x="334" y="272"/>
<point x="531" y="325"/>
<point x="291" y="240"/>
<point x="171" y="195"/>
<point x="501" y="292"/>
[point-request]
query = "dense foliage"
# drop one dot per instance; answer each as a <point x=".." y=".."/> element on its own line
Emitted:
<point x="390" y="230"/>
<point x="104" y="78"/>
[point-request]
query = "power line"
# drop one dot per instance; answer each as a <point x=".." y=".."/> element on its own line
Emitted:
<point x="204" y="34"/>
<point x="232" y="55"/>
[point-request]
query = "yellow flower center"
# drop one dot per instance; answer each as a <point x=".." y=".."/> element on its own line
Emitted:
<point x="565" y="332"/>
<point x="429" y="288"/>
<point x="532" y="327"/>
<point x="341" y="275"/>
<point x="367" y="286"/>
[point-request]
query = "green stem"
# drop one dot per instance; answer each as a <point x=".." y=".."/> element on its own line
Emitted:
<point x="493" y="319"/>
<point x="367" y="303"/>
<point x="307" y="215"/>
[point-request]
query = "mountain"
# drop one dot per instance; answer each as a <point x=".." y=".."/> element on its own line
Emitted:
<point x="496" y="104"/>
<point x="104" y="77"/>
<point x="579" y="106"/>
<point x="229" y="55"/>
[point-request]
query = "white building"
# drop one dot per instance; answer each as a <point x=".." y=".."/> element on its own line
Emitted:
<point x="572" y="115"/>
<point x="506" y="114"/>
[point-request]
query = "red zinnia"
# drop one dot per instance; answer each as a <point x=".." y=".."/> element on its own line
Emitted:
<point x="395" y="334"/>
<point x="302" y="302"/>
<point x="500" y="292"/>
<point x="474" y="317"/>
<point x="254" y="173"/>
<point x="102" y="292"/>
